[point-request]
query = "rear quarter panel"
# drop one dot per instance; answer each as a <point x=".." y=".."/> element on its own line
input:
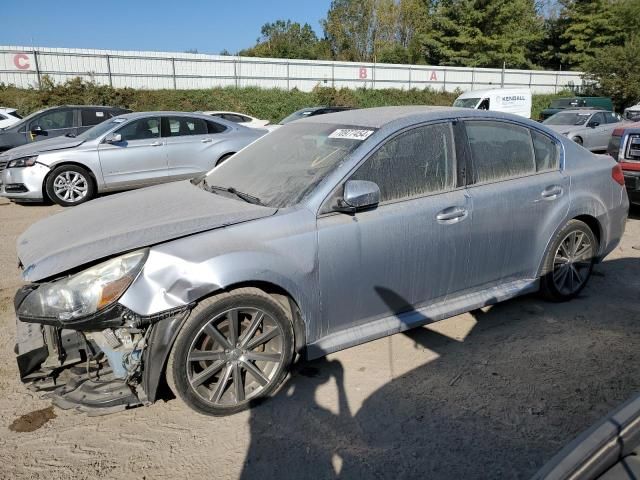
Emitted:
<point x="596" y="194"/>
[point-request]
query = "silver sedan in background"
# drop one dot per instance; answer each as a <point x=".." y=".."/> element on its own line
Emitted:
<point x="590" y="128"/>
<point x="126" y="152"/>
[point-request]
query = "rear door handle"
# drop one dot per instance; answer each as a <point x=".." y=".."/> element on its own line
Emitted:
<point x="552" y="192"/>
<point x="206" y="140"/>
<point x="155" y="144"/>
<point x="452" y="215"/>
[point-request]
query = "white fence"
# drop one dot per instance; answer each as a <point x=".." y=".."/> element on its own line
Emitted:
<point x="25" y="66"/>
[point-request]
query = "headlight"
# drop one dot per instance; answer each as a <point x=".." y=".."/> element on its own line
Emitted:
<point x="565" y="133"/>
<point x="86" y="292"/>
<point x="23" y="162"/>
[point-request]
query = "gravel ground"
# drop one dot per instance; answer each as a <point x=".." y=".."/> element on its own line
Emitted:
<point x="489" y="394"/>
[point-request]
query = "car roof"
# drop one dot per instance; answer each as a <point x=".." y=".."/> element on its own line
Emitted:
<point x="379" y="116"/>
<point x="488" y="91"/>
<point x="212" y="112"/>
<point x="587" y="111"/>
<point x="166" y="112"/>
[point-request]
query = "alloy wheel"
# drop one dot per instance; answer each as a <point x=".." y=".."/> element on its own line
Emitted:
<point x="70" y="186"/>
<point x="235" y="356"/>
<point x="572" y="262"/>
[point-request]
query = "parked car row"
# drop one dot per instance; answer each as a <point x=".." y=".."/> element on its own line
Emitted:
<point x="70" y="154"/>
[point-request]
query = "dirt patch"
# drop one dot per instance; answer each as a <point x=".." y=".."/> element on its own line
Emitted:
<point x="32" y="421"/>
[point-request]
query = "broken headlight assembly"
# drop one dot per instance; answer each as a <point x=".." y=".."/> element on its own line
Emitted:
<point x="84" y="293"/>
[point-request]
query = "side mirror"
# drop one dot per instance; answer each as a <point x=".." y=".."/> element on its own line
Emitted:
<point x="38" y="130"/>
<point x="593" y="124"/>
<point x="113" y="138"/>
<point x="358" y="195"/>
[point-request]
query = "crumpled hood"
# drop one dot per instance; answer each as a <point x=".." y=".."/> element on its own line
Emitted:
<point x="119" y="223"/>
<point x="33" y="148"/>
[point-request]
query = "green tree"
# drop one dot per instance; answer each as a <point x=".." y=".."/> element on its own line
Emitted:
<point x="615" y="71"/>
<point x="589" y="26"/>
<point x="483" y="33"/>
<point x="287" y="39"/>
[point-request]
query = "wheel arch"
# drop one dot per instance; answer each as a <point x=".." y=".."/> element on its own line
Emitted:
<point x="165" y="333"/>
<point x="93" y="177"/>
<point x="591" y="221"/>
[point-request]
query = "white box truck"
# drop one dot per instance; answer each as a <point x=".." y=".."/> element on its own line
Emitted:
<point x="508" y="100"/>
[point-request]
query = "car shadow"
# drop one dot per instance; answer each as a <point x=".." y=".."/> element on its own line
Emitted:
<point x="499" y="403"/>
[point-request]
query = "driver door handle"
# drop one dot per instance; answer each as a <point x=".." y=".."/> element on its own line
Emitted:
<point x="451" y="215"/>
<point x="206" y="140"/>
<point x="155" y="144"/>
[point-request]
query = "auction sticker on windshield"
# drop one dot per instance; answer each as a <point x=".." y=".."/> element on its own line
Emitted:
<point x="351" y="133"/>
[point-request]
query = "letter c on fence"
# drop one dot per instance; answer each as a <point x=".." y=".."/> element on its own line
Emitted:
<point x="21" y="61"/>
<point x="363" y="73"/>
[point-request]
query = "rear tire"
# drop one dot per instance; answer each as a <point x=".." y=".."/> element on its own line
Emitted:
<point x="70" y="185"/>
<point x="569" y="262"/>
<point x="234" y="350"/>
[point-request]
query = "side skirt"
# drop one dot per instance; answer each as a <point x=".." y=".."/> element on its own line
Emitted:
<point x="433" y="312"/>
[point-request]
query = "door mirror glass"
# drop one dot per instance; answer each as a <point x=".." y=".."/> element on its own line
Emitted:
<point x="358" y="195"/>
<point x="593" y="124"/>
<point x="113" y="138"/>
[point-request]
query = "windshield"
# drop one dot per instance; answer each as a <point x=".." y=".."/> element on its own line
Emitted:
<point x="466" y="102"/>
<point x="567" y="118"/>
<point x="100" y="129"/>
<point x="305" y="112"/>
<point x="282" y="167"/>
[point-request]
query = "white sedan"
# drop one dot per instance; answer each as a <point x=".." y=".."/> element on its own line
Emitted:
<point x="8" y="117"/>
<point x="241" y="118"/>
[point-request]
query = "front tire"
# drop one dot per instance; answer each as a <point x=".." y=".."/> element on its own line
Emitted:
<point x="234" y="349"/>
<point x="569" y="262"/>
<point x="579" y="141"/>
<point x="70" y="185"/>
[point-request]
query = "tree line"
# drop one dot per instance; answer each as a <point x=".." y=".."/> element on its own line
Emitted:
<point x="599" y="37"/>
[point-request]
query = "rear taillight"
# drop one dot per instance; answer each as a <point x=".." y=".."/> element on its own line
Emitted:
<point x="617" y="175"/>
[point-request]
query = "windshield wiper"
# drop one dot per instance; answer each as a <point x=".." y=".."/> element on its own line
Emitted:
<point x="241" y="195"/>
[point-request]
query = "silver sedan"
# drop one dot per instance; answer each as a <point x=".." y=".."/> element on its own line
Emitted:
<point x="329" y="232"/>
<point x="590" y="128"/>
<point x="126" y="152"/>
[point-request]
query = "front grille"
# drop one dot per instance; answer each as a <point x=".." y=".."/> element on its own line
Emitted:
<point x="3" y="165"/>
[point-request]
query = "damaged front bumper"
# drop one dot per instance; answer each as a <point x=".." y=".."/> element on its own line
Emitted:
<point x="105" y="363"/>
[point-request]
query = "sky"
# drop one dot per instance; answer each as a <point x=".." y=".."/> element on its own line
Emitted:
<point x="160" y="25"/>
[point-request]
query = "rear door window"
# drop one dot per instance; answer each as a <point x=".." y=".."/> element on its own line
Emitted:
<point x="183" y="126"/>
<point x="547" y="152"/>
<point x="91" y="117"/>
<point x="611" y="117"/>
<point x="499" y="150"/>
<point x="415" y="163"/>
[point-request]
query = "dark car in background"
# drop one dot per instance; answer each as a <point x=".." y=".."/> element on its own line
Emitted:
<point x="54" y="122"/>
<point x="624" y="147"/>
<point x="311" y="112"/>
<point x="601" y="103"/>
